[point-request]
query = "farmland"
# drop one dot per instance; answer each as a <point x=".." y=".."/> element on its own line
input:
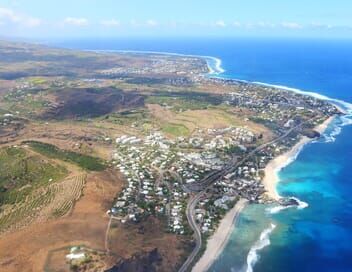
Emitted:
<point x="22" y="173"/>
<point x="83" y="161"/>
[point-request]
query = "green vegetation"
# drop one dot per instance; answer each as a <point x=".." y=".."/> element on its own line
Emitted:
<point x="269" y="124"/>
<point x="21" y="173"/>
<point x="235" y="150"/>
<point x="84" y="161"/>
<point x="28" y="101"/>
<point x="176" y="130"/>
<point x="128" y="117"/>
<point x="37" y="80"/>
<point x="184" y="100"/>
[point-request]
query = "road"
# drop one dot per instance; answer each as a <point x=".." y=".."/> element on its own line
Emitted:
<point x="231" y="167"/>
<point x="198" y="236"/>
<point x="207" y="182"/>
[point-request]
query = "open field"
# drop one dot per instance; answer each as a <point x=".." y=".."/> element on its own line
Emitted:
<point x="27" y="249"/>
<point x="186" y="122"/>
<point x="83" y="161"/>
<point x="42" y="204"/>
<point x="26" y="60"/>
<point x="129" y="240"/>
<point x="22" y="172"/>
<point x="176" y="130"/>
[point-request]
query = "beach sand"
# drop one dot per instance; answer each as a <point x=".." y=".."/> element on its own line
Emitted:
<point x="273" y="167"/>
<point x="218" y="240"/>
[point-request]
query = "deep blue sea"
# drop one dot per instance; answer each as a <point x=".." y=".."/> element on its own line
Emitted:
<point x="319" y="236"/>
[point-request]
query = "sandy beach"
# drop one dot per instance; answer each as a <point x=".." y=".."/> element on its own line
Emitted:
<point x="271" y="170"/>
<point x="218" y="240"/>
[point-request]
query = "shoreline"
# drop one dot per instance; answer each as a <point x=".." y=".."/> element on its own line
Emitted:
<point x="215" y="70"/>
<point x="217" y="242"/>
<point x="272" y="169"/>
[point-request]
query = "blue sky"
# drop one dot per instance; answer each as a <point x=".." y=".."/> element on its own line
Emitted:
<point x="114" y="18"/>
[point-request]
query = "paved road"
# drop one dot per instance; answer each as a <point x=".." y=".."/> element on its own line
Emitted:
<point x="197" y="234"/>
<point x="206" y="183"/>
<point x="200" y="185"/>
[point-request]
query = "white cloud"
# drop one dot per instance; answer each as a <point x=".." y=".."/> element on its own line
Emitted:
<point x="265" y="25"/>
<point x="33" y="22"/>
<point x="9" y="16"/>
<point x="152" y="23"/>
<point x="76" y="21"/>
<point x="220" y="23"/>
<point x="291" y="25"/>
<point x="110" y="23"/>
<point x="321" y="26"/>
<point x="148" y="23"/>
<point x="236" y="24"/>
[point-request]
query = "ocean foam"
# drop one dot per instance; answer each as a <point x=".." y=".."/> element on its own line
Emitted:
<point x="276" y="209"/>
<point x="215" y="68"/>
<point x="340" y="103"/>
<point x="214" y="65"/>
<point x="345" y="120"/>
<point x="264" y="241"/>
<point x="330" y="136"/>
<point x="301" y="205"/>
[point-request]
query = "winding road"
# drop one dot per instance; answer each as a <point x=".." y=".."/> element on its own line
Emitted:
<point x="208" y="182"/>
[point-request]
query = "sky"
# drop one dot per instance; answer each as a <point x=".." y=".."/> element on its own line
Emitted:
<point x="121" y="18"/>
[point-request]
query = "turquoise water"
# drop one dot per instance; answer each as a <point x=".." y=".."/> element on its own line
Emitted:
<point x="319" y="236"/>
<point x="316" y="238"/>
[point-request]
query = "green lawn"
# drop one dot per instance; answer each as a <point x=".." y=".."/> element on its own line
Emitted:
<point x="83" y="161"/>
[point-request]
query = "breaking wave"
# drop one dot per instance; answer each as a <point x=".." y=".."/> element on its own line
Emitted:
<point x="264" y="241"/>
<point x="330" y="135"/>
<point x="214" y="66"/>
<point x="344" y="120"/>
<point x="347" y="107"/>
<point x="301" y="205"/>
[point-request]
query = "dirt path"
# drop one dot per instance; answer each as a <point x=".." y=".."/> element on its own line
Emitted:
<point x="107" y="250"/>
<point x="27" y="249"/>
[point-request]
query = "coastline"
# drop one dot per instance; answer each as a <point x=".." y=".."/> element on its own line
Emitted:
<point x="272" y="169"/>
<point x="217" y="242"/>
<point x="215" y="69"/>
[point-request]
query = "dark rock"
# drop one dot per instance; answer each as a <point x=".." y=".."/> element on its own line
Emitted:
<point x="311" y="133"/>
<point x="141" y="262"/>
<point x="288" y="202"/>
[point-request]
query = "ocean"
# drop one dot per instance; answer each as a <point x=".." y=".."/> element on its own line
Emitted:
<point x="317" y="236"/>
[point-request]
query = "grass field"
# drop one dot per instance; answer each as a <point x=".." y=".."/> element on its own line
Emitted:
<point x="84" y="161"/>
<point x="184" y="101"/>
<point x="37" y="80"/>
<point x="128" y="118"/>
<point x="33" y="187"/>
<point x="51" y="201"/>
<point x="176" y="130"/>
<point x="21" y="173"/>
